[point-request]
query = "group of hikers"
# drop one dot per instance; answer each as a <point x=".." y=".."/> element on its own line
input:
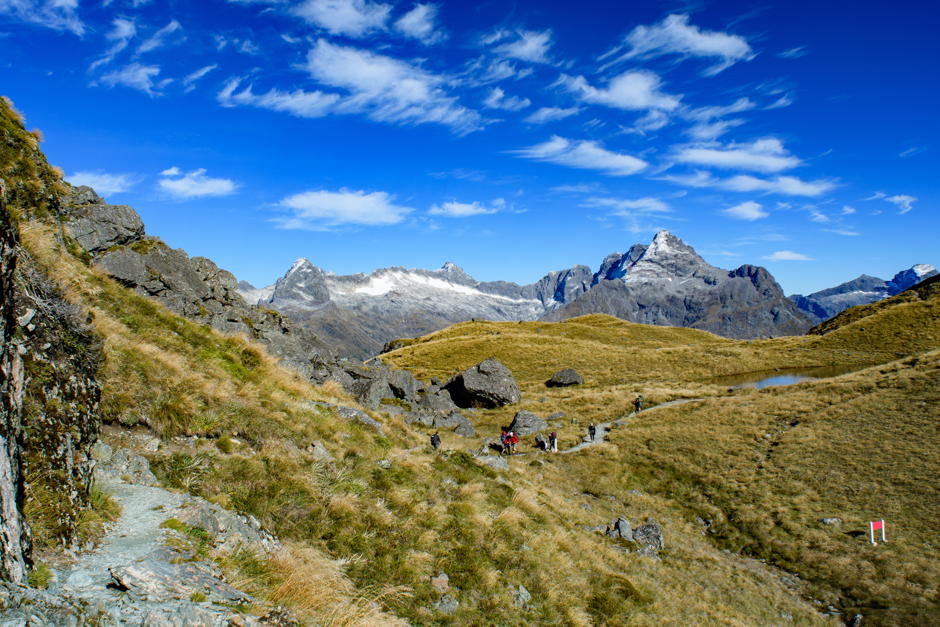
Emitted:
<point x="509" y="440"/>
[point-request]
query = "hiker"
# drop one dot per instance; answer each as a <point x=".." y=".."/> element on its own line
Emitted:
<point x="504" y="441"/>
<point x="553" y="442"/>
<point x="436" y="441"/>
<point x="638" y="404"/>
<point x="592" y="431"/>
<point x="513" y="441"/>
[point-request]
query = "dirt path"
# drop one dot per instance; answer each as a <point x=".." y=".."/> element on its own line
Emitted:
<point x="604" y="428"/>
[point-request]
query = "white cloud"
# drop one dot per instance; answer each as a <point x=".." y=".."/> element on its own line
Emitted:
<point x="626" y="206"/>
<point x="54" y="14"/>
<point x="783" y="101"/>
<point x="765" y="155"/>
<point x="904" y="202"/>
<point x="653" y="120"/>
<point x="587" y="155"/>
<point x="419" y="23"/>
<point x="674" y="35"/>
<point x="315" y="210"/>
<point x="497" y="100"/>
<point x="787" y="255"/>
<point x="122" y="31"/>
<point x="793" y="53"/>
<point x="387" y="89"/>
<point x="784" y="185"/>
<point x="634" y="90"/>
<point x="847" y="211"/>
<point x="816" y="216"/>
<point x="845" y="232"/>
<point x="302" y="104"/>
<point x="749" y="210"/>
<point x="454" y="209"/>
<point x="531" y="46"/>
<point x="190" y="81"/>
<point x="159" y="37"/>
<point x="704" y="114"/>
<point x="579" y="188"/>
<point x="910" y="152"/>
<point x="135" y="76"/>
<point x="876" y="196"/>
<point x="482" y="71"/>
<point x="550" y="114"/>
<point x="354" y="18"/>
<point x="194" y="184"/>
<point x="103" y="182"/>
<point x="710" y="131"/>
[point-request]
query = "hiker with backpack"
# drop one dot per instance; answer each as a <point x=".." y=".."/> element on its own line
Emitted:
<point x="592" y="431"/>
<point x="436" y="441"/>
<point x="553" y="442"/>
<point x="638" y="404"/>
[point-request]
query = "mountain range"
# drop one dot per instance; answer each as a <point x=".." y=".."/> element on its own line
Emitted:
<point x="862" y="290"/>
<point x="665" y="282"/>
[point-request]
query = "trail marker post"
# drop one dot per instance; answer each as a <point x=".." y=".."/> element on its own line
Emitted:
<point x="874" y="526"/>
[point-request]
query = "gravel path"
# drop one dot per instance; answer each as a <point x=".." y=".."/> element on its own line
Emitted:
<point x="604" y="428"/>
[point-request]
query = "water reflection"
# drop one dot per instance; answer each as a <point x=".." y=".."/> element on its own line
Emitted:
<point x="787" y="376"/>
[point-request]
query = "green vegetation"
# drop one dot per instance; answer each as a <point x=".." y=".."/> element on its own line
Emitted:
<point x="39" y="576"/>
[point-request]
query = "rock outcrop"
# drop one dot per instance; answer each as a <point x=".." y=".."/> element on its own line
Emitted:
<point x="564" y="378"/>
<point x="527" y="423"/>
<point x="193" y="287"/>
<point x="488" y="384"/>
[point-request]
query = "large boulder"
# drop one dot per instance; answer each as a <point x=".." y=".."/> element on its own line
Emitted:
<point x="564" y="378"/>
<point x="488" y="384"/>
<point x="649" y="536"/>
<point x="97" y="226"/>
<point x="456" y="421"/>
<point x="527" y="423"/>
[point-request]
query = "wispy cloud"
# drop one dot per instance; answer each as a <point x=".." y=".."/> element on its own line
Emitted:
<point x="784" y="185"/>
<point x="103" y="182"/>
<point x="704" y="114"/>
<point x="387" y="89"/>
<point x="629" y="206"/>
<point x="794" y="53"/>
<point x="420" y="23"/>
<point x="497" y="99"/>
<point x="526" y="45"/>
<point x="903" y="202"/>
<point x="580" y="188"/>
<point x="765" y="155"/>
<point x="122" y="31"/>
<point x="710" y="131"/>
<point x="635" y="90"/>
<point x="587" y="155"/>
<point x="54" y="14"/>
<point x="454" y="209"/>
<point x="159" y="38"/>
<point x="194" y="184"/>
<point x="845" y="232"/>
<point x="136" y="76"/>
<point x="786" y="255"/>
<point x="748" y="210"/>
<point x="550" y="114"/>
<point x="354" y="18"/>
<point x="189" y="82"/>
<point x="910" y="152"/>
<point x="674" y="35"/>
<point x="322" y="209"/>
<point x="299" y="103"/>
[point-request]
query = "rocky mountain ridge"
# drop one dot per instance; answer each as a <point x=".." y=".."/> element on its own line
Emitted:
<point x="665" y="282"/>
<point x="861" y="290"/>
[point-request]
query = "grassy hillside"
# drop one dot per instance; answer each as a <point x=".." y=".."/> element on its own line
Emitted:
<point x="761" y="467"/>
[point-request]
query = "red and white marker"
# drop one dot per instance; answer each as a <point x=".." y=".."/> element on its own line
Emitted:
<point x="874" y="526"/>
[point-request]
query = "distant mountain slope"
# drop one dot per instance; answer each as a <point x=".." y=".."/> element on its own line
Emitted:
<point x="664" y="283"/>
<point x="862" y="290"/>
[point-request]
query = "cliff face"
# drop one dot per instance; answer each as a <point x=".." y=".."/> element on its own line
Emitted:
<point x="49" y="392"/>
<point x="14" y="537"/>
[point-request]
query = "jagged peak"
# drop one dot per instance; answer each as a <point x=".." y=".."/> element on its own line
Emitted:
<point x="300" y="263"/>
<point x="923" y="268"/>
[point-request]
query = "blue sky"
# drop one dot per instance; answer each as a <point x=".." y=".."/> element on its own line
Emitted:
<point x="510" y="138"/>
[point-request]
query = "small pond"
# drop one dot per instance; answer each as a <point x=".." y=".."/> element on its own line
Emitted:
<point x="783" y="376"/>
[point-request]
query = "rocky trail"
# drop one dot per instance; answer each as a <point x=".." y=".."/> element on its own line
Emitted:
<point x="151" y="567"/>
<point x="604" y="428"/>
